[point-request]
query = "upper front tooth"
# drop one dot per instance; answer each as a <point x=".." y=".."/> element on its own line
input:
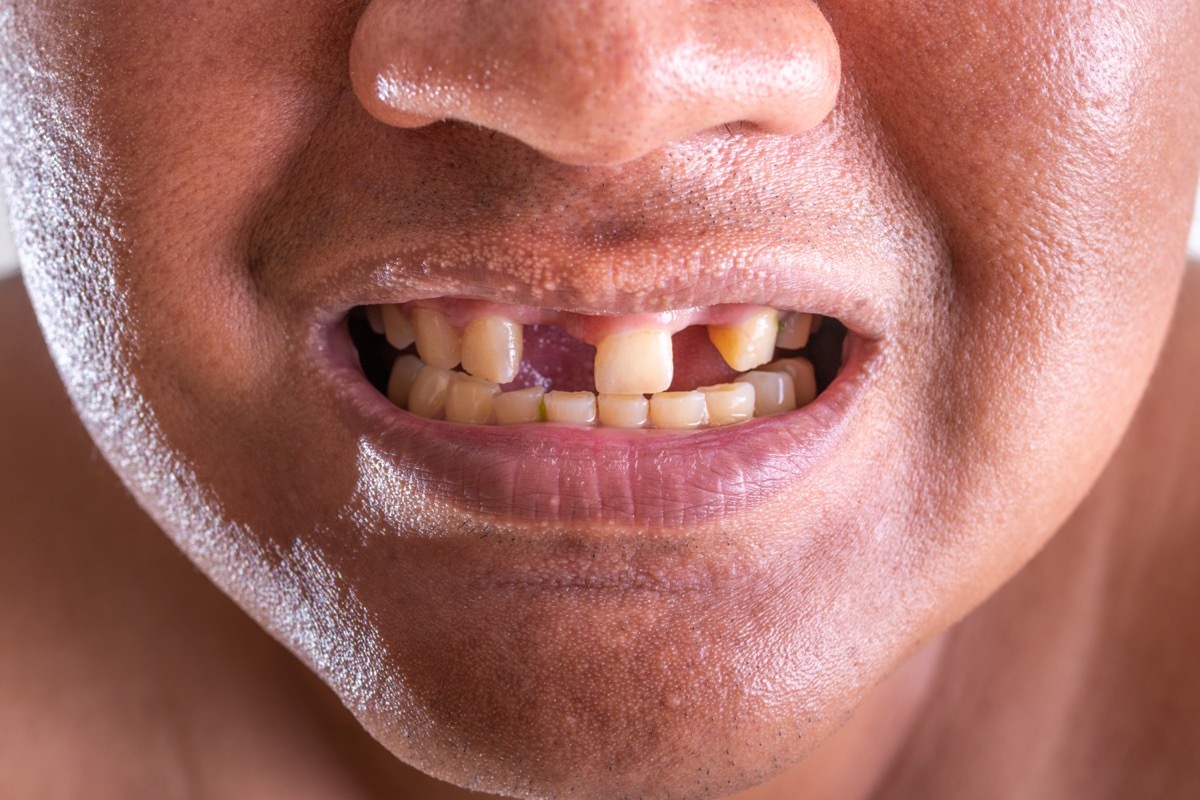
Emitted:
<point x="748" y="344"/>
<point x="396" y="327"/>
<point x="437" y="343"/>
<point x="491" y="348"/>
<point x="634" y="362"/>
<point x="794" y="329"/>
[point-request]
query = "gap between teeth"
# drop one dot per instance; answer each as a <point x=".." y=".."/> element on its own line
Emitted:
<point x="629" y="365"/>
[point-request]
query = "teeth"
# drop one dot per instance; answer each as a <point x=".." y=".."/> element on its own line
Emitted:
<point x="749" y="344"/>
<point x="678" y="410"/>
<point x="623" y="410"/>
<point x="728" y="403"/>
<point x="773" y="392"/>
<point x="578" y="408"/>
<point x="428" y="395"/>
<point x="794" y="330"/>
<point x="803" y="378"/>
<point x="437" y="343"/>
<point x="396" y="327"/>
<point x="523" y="405"/>
<point x="400" y="382"/>
<point x="375" y="318"/>
<point x="491" y="348"/>
<point x="634" y="362"/>
<point x="470" y="399"/>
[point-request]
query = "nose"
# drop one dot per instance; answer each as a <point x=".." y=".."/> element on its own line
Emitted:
<point x="597" y="81"/>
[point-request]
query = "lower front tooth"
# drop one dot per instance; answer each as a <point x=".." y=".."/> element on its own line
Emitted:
<point x="522" y="405"/>
<point x="428" y="395"/>
<point x="773" y="392"/>
<point x="748" y="344"/>
<point x="678" y="410"/>
<point x="728" y="403"/>
<point x="470" y="399"/>
<point x="404" y="373"/>
<point x="438" y="344"/>
<point x="396" y="327"/>
<point x="803" y="377"/>
<point x="577" y="408"/>
<point x="623" y="410"/>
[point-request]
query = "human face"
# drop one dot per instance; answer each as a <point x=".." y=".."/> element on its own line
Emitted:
<point x="990" y="197"/>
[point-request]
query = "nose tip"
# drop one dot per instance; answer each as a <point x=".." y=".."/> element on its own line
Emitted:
<point x="596" y="82"/>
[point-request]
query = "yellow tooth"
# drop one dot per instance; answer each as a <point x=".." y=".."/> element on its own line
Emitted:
<point x="748" y="344"/>
<point x="773" y="392"/>
<point x="428" y="395"/>
<point x="578" y="408"/>
<point x="438" y="344"/>
<point x="679" y="410"/>
<point x="400" y="382"/>
<point x="522" y="405"/>
<point x="470" y="399"/>
<point x="397" y="328"/>
<point x="634" y="362"/>
<point x="803" y="378"/>
<point x="728" y="403"/>
<point x="375" y="318"/>
<point x="491" y="348"/>
<point x="623" y="410"/>
<point x="794" y="330"/>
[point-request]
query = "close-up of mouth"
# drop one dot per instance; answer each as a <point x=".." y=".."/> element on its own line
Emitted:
<point x="481" y="364"/>
<point x="521" y="412"/>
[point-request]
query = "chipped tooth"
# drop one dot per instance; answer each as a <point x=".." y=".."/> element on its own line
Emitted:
<point x="728" y="403"/>
<point x="623" y="410"/>
<point x="577" y="408"/>
<point x="492" y="348"/>
<point x="438" y="344"/>
<point x="470" y="399"/>
<point x="678" y="410"/>
<point x="748" y="344"/>
<point x="804" y="379"/>
<point x="428" y="395"/>
<point x="634" y="362"/>
<point x="794" y="329"/>
<point x="375" y="319"/>
<point x="522" y="405"/>
<point x="396" y="327"/>
<point x="400" y="382"/>
<point x="773" y="392"/>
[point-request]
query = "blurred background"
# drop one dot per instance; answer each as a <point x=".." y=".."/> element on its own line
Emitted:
<point x="8" y="258"/>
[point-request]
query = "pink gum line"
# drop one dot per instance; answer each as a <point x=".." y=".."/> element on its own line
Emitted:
<point x="586" y="328"/>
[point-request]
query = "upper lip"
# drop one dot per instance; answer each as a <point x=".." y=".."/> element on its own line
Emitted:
<point x="780" y="278"/>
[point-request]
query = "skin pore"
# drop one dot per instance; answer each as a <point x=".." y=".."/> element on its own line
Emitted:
<point x="994" y="200"/>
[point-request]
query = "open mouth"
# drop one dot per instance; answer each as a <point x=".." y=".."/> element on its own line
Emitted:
<point x="480" y="363"/>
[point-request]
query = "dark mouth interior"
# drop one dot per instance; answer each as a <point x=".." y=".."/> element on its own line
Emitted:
<point x="555" y="360"/>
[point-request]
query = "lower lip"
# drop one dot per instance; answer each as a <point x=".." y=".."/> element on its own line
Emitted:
<point x="563" y="475"/>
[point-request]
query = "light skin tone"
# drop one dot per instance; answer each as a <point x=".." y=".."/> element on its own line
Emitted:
<point x="979" y="548"/>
